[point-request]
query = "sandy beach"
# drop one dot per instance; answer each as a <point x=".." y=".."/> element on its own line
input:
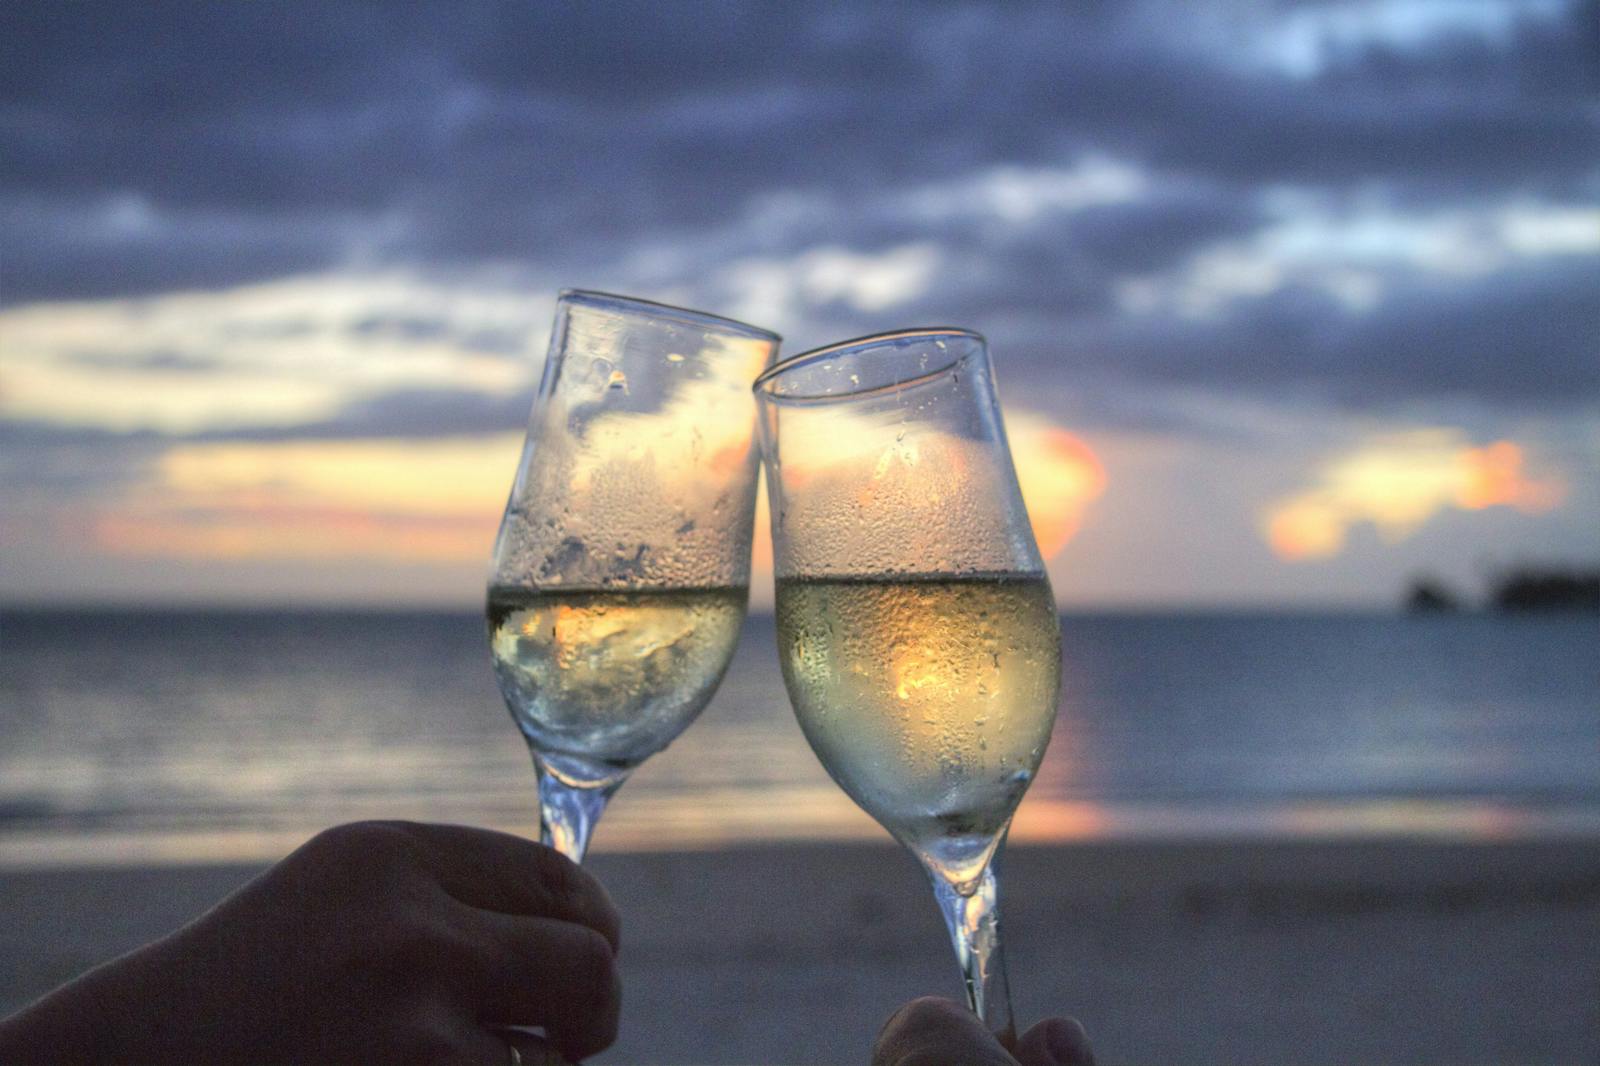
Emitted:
<point x="1309" y="952"/>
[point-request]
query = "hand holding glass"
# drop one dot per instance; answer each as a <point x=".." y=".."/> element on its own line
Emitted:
<point x="622" y="566"/>
<point x="917" y="631"/>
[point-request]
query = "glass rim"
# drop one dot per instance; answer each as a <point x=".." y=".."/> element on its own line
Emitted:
<point x="610" y="301"/>
<point x="762" y="386"/>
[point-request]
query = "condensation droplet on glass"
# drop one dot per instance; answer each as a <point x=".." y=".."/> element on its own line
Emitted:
<point x="617" y="380"/>
<point x="674" y="357"/>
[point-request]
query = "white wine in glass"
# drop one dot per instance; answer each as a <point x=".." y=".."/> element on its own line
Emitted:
<point x="917" y="631"/>
<point x="622" y="566"/>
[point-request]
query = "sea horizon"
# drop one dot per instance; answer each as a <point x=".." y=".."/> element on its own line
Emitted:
<point x="235" y="734"/>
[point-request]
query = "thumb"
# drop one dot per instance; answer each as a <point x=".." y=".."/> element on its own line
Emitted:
<point x="1055" y="1042"/>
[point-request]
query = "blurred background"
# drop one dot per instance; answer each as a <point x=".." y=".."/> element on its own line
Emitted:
<point x="1294" y="307"/>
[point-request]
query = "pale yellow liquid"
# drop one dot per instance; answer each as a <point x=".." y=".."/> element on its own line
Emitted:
<point x="610" y="677"/>
<point x="929" y="699"/>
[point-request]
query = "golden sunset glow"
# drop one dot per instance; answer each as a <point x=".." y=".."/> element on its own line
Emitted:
<point x="438" y="501"/>
<point x="1399" y="483"/>
<point x="1492" y="477"/>
<point x="429" y="501"/>
<point x="277" y="353"/>
<point x="1059" y="475"/>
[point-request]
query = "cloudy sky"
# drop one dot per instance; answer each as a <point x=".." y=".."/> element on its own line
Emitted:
<point x="1289" y="302"/>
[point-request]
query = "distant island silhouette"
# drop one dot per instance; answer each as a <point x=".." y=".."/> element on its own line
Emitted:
<point x="1428" y="596"/>
<point x="1527" y="588"/>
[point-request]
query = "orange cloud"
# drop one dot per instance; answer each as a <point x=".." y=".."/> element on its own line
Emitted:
<point x="1059" y="475"/>
<point x="438" y="501"/>
<point x="1492" y="477"/>
<point x="301" y="533"/>
<point x="432" y="501"/>
<point x="1397" y="484"/>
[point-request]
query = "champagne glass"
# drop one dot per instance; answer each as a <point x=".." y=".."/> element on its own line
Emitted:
<point x="622" y="566"/>
<point x="916" y="627"/>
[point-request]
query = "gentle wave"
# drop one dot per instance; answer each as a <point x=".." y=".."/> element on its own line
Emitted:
<point x="199" y="737"/>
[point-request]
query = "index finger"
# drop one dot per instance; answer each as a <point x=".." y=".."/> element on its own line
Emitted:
<point x="495" y="871"/>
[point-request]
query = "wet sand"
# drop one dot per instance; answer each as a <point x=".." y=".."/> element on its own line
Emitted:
<point x="1236" y="952"/>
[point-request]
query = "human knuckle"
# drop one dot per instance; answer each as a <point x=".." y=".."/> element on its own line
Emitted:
<point x="926" y="1011"/>
<point x="403" y="955"/>
<point x="590" y="980"/>
<point x="933" y="1056"/>
<point x="925" y="1025"/>
<point x="358" y="842"/>
<point x="596" y="953"/>
<point x="594" y="912"/>
<point x="572" y="893"/>
<point x="421" y="943"/>
<point x="611" y="924"/>
<point x="353" y="834"/>
<point x="557" y="875"/>
<point x="930" y="1050"/>
<point x="437" y="1045"/>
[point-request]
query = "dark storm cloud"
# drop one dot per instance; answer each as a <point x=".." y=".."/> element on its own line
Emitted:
<point x="59" y="247"/>
<point x="566" y="115"/>
<point x="146" y="147"/>
<point x="46" y="461"/>
<point x="399" y="413"/>
<point x="1522" y="338"/>
<point x="408" y="413"/>
<point x="1147" y="236"/>
<point x="1068" y="267"/>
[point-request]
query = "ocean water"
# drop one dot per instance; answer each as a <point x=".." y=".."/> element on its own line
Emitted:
<point x="129" y="737"/>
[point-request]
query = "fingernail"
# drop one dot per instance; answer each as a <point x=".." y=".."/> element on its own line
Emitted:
<point x="1068" y="1043"/>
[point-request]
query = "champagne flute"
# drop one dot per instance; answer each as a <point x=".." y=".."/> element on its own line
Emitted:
<point x="916" y="627"/>
<point x="622" y="566"/>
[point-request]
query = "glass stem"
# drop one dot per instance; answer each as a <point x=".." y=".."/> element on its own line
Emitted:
<point x="974" y="921"/>
<point x="568" y="813"/>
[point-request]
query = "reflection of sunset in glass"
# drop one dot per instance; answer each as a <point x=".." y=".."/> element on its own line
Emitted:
<point x="1397" y="484"/>
<point x="1059" y="475"/>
